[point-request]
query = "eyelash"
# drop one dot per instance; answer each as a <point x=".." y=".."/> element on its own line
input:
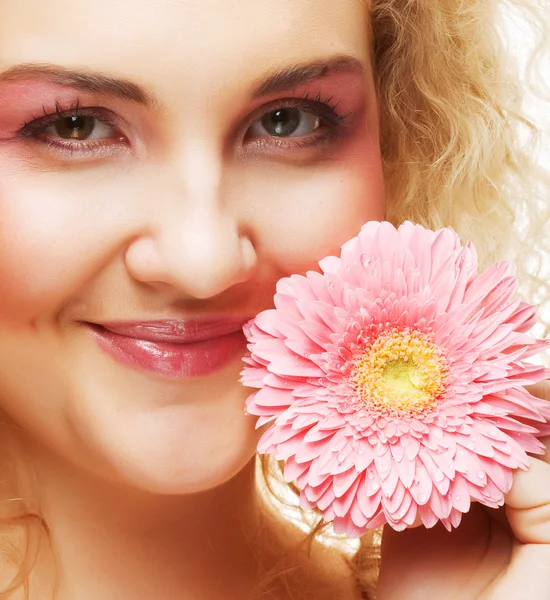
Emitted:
<point x="324" y="108"/>
<point x="38" y="124"/>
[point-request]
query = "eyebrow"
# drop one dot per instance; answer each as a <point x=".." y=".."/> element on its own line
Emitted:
<point x="86" y="81"/>
<point x="99" y="83"/>
<point x="291" y="77"/>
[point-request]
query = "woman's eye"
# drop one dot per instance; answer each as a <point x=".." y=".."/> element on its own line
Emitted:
<point x="79" y="128"/>
<point x="286" y="122"/>
<point x="83" y="132"/>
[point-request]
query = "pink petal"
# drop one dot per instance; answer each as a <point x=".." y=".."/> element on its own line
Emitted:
<point x="326" y="500"/>
<point x="396" y="502"/>
<point x="317" y="332"/>
<point x="460" y="493"/>
<point x="389" y="484"/>
<point x="406" y="469"/>
<point x="330" y="264"/>
<point x="286" y="304"/>
<point x="342" y="504"/>
<point x="357" y="517"/>
<point x="428" y="517"/>
<point x="368" y="497"/>
<point x="295" y="366"/>
<point x="440" y="505"/>
<point x="343" y="482"/>
<point x="421" y="488"/>
<point x="276" y="399"/>
<point x="293" y="469"/>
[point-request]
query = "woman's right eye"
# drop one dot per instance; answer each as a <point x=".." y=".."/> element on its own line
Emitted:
<point x="79" y="130"/>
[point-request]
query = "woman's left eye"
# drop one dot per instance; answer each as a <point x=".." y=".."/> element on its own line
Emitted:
<point x="285" y="123"/>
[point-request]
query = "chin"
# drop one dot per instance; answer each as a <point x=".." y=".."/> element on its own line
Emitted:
<point x="180" y="477"/>
<point x="172" y="451"/>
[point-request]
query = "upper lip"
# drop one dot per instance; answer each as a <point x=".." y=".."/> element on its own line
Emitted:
<point x="176" y="331"/>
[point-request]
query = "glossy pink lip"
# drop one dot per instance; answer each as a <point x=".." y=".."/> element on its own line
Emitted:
<point x="174" y="349"/>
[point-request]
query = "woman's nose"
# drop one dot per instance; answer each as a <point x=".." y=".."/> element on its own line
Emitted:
<point x="193" y="243"/>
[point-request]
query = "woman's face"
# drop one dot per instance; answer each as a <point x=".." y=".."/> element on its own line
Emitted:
<point x="162" y="164"/>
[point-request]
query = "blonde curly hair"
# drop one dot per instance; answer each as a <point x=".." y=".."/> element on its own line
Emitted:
<point x="458" y="146"/>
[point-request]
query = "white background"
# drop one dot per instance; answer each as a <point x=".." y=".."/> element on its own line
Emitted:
<point x="521" y="41"/>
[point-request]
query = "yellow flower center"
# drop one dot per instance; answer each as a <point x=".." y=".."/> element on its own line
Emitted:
<point x="402" y="372"/>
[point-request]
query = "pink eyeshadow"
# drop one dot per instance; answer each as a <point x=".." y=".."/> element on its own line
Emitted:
<point x="22" y="101"/>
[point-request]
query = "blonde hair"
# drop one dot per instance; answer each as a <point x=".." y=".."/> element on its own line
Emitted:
<point x="452" y="118"/>
<point x="457" y="144"/>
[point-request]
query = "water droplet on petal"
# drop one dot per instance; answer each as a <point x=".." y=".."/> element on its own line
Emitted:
<point x="341" y="457"/>
<point x="422" y="498"/>
<point x="370" y="475"/>
<point x="481" y="474"/>
<point x="457" y="498"/>
<point x="374" y="487"/>
<point x="438" y="476"/>
<point x="471" y="446"/>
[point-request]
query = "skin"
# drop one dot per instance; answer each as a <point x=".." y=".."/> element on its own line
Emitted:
<point x="187" y="208"/>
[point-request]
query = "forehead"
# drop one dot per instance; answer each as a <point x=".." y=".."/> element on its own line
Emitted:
<point x="195" y="40"/>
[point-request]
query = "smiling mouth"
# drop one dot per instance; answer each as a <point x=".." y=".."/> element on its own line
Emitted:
<point x="171" y="348"/>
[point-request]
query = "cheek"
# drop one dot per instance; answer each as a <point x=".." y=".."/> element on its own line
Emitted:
<point x="303" y="215"/>
<point x="53" y="236"/>
<point x="41" y="247"/>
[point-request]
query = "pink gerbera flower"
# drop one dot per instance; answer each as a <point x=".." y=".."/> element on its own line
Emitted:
<point x="394" y="381"/>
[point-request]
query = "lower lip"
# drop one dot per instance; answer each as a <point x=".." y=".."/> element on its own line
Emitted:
<point x="176" y="361"/>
